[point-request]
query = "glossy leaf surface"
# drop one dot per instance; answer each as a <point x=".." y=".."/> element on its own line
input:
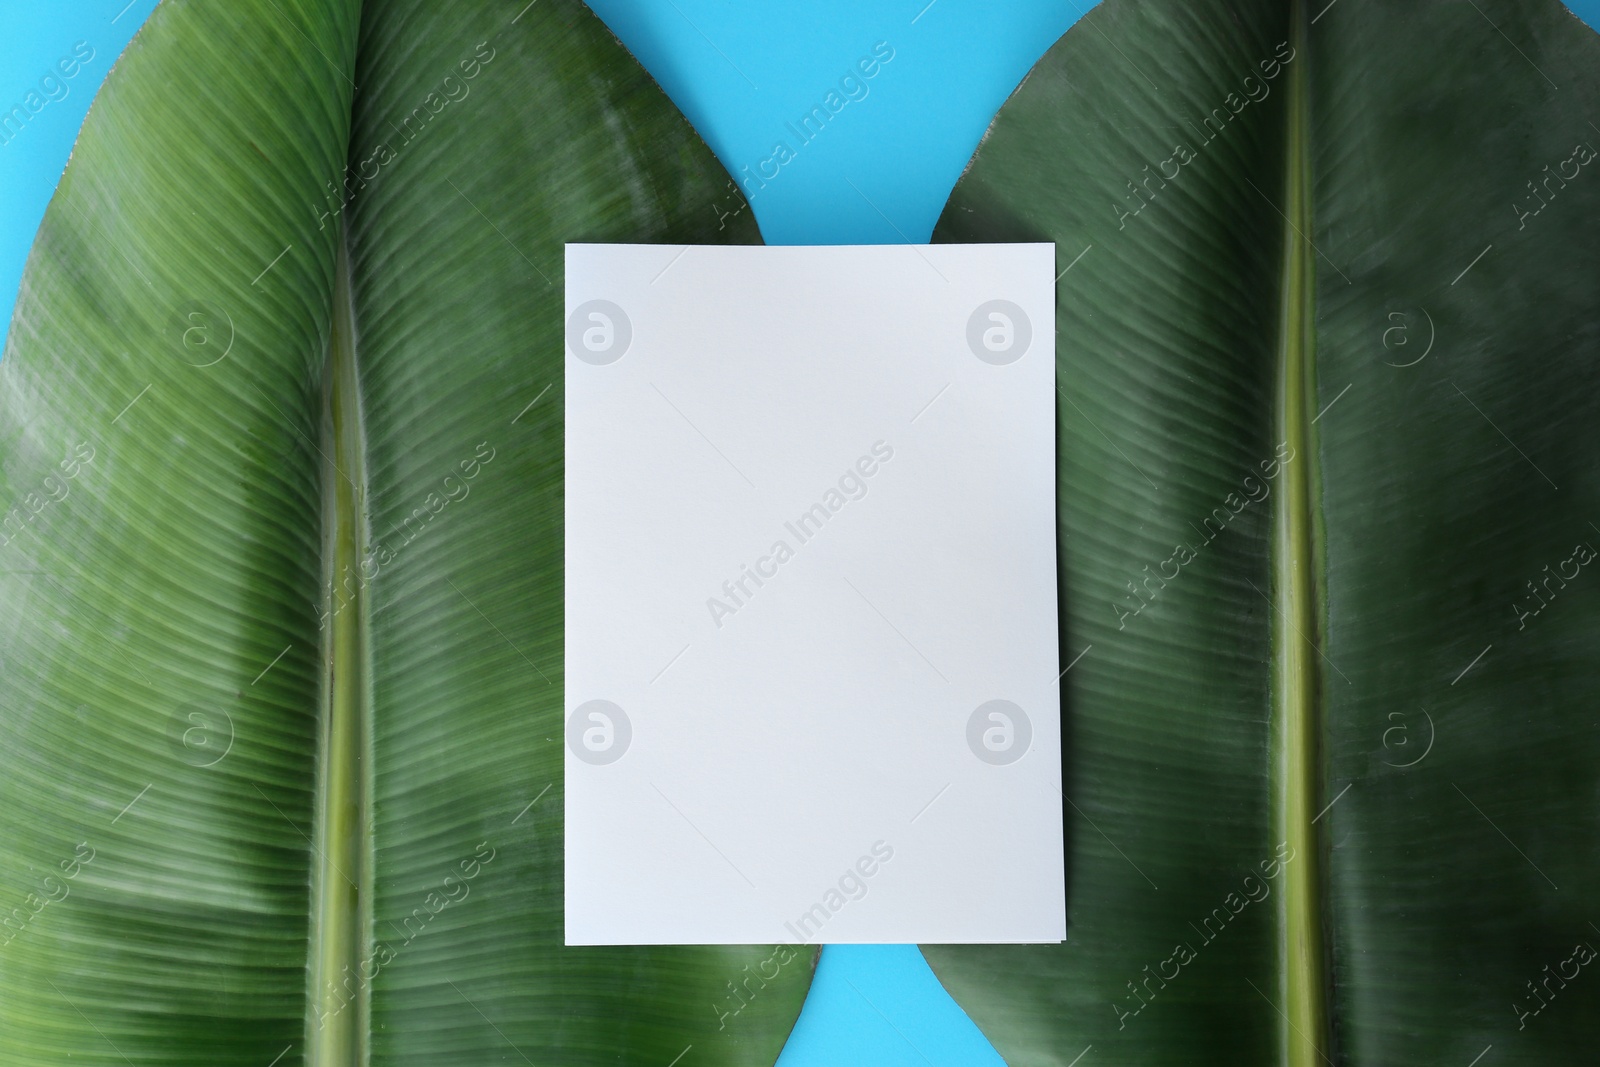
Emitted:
<point x="1355" y="273"/>
<point x="282" y="719"/>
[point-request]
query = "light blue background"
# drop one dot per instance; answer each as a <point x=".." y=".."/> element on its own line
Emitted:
<point x="36" y="36"/>
<point x="879" y="173"/>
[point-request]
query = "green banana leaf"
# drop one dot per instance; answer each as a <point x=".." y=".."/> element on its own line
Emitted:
<point x="280" y="435"/>
<point x="1328" y="329"/>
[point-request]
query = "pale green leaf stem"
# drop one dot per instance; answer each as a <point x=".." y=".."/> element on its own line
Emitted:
<point x="1298" y="626"/>
<point x="341" y="925"/>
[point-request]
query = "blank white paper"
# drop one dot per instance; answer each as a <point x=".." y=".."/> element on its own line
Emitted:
<point x="811" y="642"/>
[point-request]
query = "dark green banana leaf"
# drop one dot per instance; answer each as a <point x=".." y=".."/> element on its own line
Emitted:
<point x="281" y="439"/>
<point x="1329" y="331"/>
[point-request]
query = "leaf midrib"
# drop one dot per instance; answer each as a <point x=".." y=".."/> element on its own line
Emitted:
<point x="1297" y="622"/>
<point x="338" y="1004"/>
